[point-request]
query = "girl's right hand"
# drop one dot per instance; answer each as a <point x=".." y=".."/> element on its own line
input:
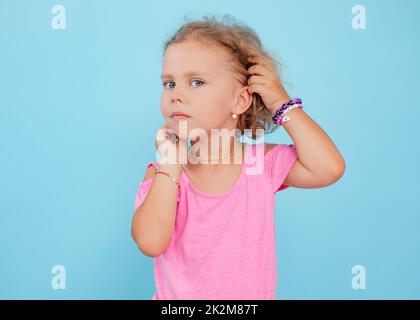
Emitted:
<point x="171" y="149"/>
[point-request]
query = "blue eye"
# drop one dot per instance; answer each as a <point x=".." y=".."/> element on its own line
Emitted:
<point x="165" y="83"/>
<point x="171" y="82"/>
<point x="199" y="81"/>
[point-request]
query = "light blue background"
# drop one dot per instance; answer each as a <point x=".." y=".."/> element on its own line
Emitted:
<point x="79" y="109"/>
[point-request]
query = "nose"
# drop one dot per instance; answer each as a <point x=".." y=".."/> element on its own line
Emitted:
<point x="176" y="96"/>
<point x="175" y="99"/>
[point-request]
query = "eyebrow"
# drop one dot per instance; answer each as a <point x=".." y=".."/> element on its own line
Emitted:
<point x="186" y="74"/>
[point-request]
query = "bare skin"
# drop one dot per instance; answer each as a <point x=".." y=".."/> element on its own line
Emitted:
<point x="197" y="84"/>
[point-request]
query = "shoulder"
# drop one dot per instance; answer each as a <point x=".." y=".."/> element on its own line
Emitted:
<point x="280" y="155"/>
<point x="283" y="148"/>
<point x="273" y="149"/>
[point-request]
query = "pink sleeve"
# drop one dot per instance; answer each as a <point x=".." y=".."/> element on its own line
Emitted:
<point x="144" y="188"/>
<point x="142" y="192"/>
<point x="279" y="161"/>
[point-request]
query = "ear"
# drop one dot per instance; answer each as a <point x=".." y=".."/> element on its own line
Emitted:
<point x="243" y="100"/>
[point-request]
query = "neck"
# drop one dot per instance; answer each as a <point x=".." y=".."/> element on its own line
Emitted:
<point x="220" y="150"/>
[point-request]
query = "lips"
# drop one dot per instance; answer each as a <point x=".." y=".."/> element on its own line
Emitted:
<point x="179" y="114"/>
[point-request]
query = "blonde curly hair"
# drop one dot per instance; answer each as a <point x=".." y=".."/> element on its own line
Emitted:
<point x="240" y="41"/>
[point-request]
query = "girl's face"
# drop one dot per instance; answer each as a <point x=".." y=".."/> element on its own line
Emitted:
<point x="197" y="81"/>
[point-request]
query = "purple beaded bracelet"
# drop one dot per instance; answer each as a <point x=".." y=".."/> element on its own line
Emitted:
<point x="283" y="110"/>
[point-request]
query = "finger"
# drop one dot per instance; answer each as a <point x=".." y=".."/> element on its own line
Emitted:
<point x="173" y="138"/>
<point x="255" y="88"/>
<point x="164" y="132"/>
<point x="256" y="59"/>
<point x="265" y="62"/>
<point x="168" y="130"/>
<point x="260" y="60"/>
<point x="257" y="80"/>
<point x="259" y="70"/>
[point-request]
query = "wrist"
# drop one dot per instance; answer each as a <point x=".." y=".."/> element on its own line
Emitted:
<point x="173" y="169"/>
<point x="280" y="116"/>
<point x="274" y="106"/>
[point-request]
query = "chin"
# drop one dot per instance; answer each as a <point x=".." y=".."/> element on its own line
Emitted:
<point x="182" y="131"/>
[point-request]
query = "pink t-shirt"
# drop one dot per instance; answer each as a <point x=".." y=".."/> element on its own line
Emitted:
<point x="223" y="245"/>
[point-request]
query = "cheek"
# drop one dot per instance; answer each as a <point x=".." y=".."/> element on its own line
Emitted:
<point x="212" y="110"/>
<point x="214" y="103"/>
<point x="164" y="108"/>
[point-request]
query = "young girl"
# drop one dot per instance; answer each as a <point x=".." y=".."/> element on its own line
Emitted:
<point x="210" y="226"/>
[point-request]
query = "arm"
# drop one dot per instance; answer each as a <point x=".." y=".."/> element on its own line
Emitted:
<point x="154" y="219"/>
<point x="319" y="163"/>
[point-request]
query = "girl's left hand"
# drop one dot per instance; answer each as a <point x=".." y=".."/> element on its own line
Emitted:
<point x="265" y="81"/>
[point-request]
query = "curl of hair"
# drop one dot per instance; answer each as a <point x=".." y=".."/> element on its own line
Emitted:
<point x="239" y="41"/>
